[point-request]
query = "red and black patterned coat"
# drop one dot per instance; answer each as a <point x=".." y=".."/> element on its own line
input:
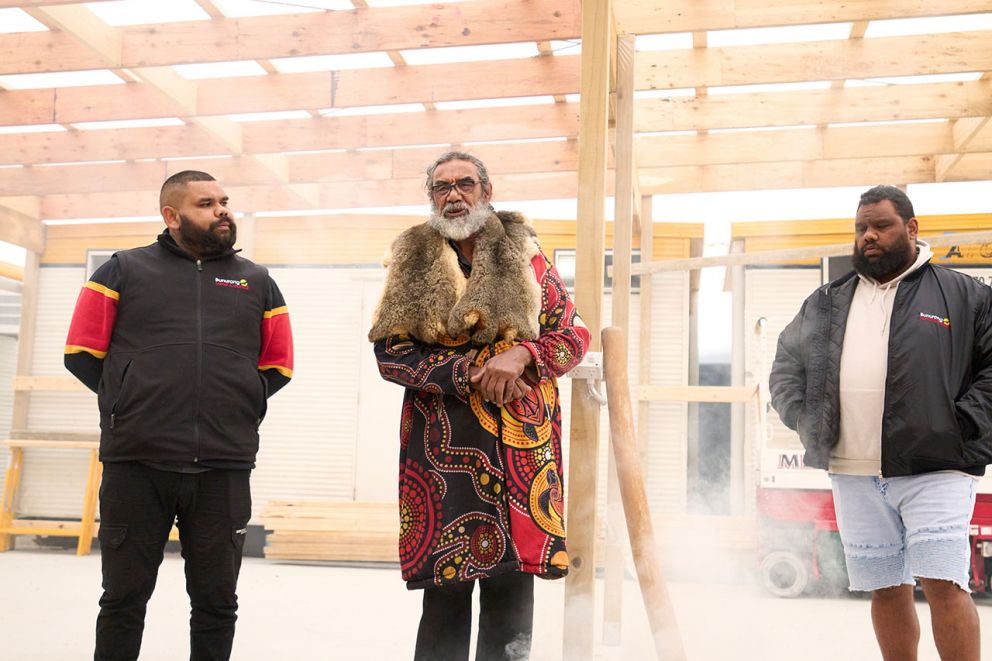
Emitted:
<point x="481" y="487"/>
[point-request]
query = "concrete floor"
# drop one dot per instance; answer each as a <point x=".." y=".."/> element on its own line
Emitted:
<point x="299" y="612"/>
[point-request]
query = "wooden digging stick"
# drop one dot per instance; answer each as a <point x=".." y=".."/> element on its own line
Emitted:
<point x="661" y="615"/>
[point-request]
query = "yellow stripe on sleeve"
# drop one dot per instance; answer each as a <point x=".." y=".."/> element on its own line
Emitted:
<point x="275" y="312"/>
<point x="75" y="348"/>
<point x="106" y="291"/>
<point x="288" y="373"/>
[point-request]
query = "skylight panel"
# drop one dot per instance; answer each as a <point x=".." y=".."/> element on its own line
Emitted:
<point x="495" y="103"/>
<point x="761" y="129"/>
<point x="887" y="122"/>
<point x="33" y="128"/>
<point x="142" y="12"/>
<point x="899" y="27"/>
<point x="269" y="116"/>
<point x="433" y="145"/>
<point x="128" y="124"/>
<point x="513" y="141"/>
<point x="781" y="35"/>
<point x="243" y="8"/>
<point x="407" y="3"/>
<point x="31" y="81"/>
<point x="235" y="69"/>
<point x="914" y="80"/>
<point x="770" y="87"/>
<point x="372" y="110"/>
<point x="571" y="47"/>
<point x="470" y="53"/>
<point x="655" y="42"/>
<point x="18" y="20"/>
<point x="664" y="93"/>
<point x="332" y="62"/>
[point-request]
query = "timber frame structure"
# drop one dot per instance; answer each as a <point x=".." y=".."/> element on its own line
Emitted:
<point x="644" y="123"/>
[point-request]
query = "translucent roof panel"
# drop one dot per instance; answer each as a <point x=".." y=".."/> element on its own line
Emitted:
<point x="332" y="62"/>
<point x="18" y="20"/>
<point x="503" y="102"/>
<point x="128" y="124"/>
<point x="929" y="25"/>
<point x="33" y="128"/>
<point x="405" y="3"/>
<point x="142" y="12"/>
<point x="781" y="35"/>
<point x="914" y="80"/>
<point x="470" y="53"/>
<point x="770" y="87"/>
<point x="663" y="94"/>
<point x="234" y="69"/>
<point x="570" y="47"/>
<point x="671" y="41"/>
<point x="269" y="116"/>
<point x="242" y="8"/>
<point x="372" y="110"/>
<point x="28" y="81"/>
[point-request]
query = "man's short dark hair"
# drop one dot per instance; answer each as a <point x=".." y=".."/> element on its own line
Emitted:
<point x="896" y="196"/>
<point x="181" y="179"/>
<point x="457" y="156"/>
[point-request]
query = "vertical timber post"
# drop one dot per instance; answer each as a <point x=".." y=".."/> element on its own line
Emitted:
<point x="580" y="586"/>
<point x="616" y="529"/>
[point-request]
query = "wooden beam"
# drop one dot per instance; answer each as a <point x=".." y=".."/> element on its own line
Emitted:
<point x="797" y="174"/>
<point x="805" y="144"/>
<point x="105" y="42"/>
<point x="667" y="151"/>
<point x="856" y="104"/>
<point x="622" y="246"/>
<point x="262" y="169"/>
<point x="965" y="133"/>
<point x="651" y="16"/>
<point x="778" y="256"/>
<point x="334" y="32"/>
<point x="816" y="60"/>
<point x="580" y="586"/>
<point x="336" y="195"/>
<point x="455" y="126"/>
<point x="21" y="229"/>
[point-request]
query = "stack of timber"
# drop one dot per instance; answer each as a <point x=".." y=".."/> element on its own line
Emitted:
<point x="331" y="530"/>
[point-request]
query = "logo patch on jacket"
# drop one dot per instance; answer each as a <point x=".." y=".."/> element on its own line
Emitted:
<point x="936" y="318"/>
<point x="237" y="284"/>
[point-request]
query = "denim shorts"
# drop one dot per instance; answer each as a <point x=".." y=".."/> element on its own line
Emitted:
<point x="897" y="528"/>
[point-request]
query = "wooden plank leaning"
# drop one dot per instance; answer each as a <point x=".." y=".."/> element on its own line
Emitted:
<point x="661" y="615"/>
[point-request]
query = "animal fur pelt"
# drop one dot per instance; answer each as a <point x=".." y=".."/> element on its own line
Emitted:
<point x="428" y="298"/>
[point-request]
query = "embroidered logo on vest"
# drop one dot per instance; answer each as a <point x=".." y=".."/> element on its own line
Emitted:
<point x="936" y="318"/>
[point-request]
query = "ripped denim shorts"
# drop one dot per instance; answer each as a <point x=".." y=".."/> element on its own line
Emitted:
<point x="895" y="529"/>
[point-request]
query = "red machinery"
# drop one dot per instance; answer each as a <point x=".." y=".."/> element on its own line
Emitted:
<point x="800" y="546"/>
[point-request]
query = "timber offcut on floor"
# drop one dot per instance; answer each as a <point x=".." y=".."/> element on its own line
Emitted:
<point x="331" y="530"/>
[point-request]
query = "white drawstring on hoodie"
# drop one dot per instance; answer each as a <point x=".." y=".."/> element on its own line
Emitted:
<point x="863" y="369"/>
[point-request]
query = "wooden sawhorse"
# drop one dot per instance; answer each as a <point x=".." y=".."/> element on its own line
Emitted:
<point x="83" y="530"/>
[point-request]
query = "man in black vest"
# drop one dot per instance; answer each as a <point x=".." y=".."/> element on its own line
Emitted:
<point x="183" y="341"/>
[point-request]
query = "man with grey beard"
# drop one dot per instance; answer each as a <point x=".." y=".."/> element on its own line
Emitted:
<point x="476" y="324"/>
<point x="886" y="374"/>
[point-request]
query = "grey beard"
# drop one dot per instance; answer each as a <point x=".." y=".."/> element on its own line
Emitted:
<point x="461" y="228"/>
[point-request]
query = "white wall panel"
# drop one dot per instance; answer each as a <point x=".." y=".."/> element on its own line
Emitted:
<point x="309" y="435"/>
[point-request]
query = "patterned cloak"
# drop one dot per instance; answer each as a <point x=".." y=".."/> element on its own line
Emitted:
<point x="481" y="489"/>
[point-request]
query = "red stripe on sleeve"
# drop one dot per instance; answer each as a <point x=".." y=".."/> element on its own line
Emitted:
<point x="92" y="323"/>
<point x="277" y="344"/>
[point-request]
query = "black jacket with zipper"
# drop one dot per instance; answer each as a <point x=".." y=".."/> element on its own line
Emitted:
<point x="179" y="377"/>
<point x="938" y="387"/>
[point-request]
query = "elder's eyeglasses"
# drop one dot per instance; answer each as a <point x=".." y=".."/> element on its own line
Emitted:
<point x="442" y="188"/>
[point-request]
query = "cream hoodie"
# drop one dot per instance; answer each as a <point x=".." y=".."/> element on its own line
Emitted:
<point x="863" y="368"/>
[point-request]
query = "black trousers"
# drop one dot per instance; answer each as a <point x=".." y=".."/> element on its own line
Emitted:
<point x="506" y="620"/>
<point x="138" y="505"/>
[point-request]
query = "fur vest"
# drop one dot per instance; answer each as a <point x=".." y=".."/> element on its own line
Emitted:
<point x="428" y="298"/>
